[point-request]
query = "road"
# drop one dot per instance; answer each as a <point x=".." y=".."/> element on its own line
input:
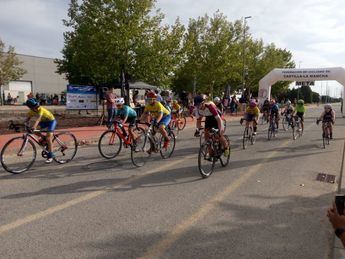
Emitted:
<point x="265" y="204"/>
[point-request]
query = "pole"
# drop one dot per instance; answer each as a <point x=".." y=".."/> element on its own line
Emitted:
<point x="244" y="52"/>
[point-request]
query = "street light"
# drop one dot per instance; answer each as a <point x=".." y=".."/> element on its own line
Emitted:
<point x="244" y="54"/>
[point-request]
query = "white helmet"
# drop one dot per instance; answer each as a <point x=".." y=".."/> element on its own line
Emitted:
<point x="216" y="99"/>
<point x="119" y="101"/>
<point x="328" y="106"/>
<point x="288" y="102"/>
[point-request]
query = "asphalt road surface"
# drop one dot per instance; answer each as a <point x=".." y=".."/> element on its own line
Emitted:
<point x="265" y="204"/>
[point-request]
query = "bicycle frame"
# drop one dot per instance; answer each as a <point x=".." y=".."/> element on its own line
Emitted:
<point x="326" y="128"/>
<point x="118" y="130"/>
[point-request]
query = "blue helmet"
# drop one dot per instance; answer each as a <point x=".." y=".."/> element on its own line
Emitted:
<point x="198" y="99"/>
<point x="32" y="103"/>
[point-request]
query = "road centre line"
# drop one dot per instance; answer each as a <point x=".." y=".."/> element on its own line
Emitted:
<point x="158" y="249"/>
<point x="92" y="195"/>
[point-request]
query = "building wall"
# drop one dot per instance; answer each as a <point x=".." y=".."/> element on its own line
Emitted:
<point x="42" y="73"/>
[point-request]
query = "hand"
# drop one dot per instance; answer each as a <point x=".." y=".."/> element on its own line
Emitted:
<point x="337" y="221"/>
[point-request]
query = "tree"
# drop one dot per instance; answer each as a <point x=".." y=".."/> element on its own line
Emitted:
<point x="109" y="38"/>
<point x="10" y="68"/>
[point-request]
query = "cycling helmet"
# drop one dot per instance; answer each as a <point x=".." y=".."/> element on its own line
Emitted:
<point x="328" y="106"/>
<point x="169" y="99"/>
<point x="216" y="100"/>
<point x="198" y="99"/>
<point x="152" y="95"/>
<point x="273" y="101"/>
<point x="32" y="103"/>
<point x="300" y="101"/>
<point x="119" y="101"/>
<point x="288" y="102"/>
<point x="252" y="104"/>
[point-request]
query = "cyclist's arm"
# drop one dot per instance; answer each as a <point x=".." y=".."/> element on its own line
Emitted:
<point x="220" y="124"/>
<point x="333" y="116"/>
<point x="37" y="122"/>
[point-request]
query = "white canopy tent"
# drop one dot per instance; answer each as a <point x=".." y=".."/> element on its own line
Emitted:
<point x="300" y="74"/>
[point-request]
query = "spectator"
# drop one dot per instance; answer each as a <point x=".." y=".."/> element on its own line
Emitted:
<point x="30" y="95"/>
<point x="233" y="105"/>
<point x="9" y="98"/>
<point x="338" y="223"/>
<point x="135" y="98"/>
<point x="110" y="100"/>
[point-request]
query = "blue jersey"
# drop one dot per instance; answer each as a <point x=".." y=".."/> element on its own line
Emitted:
<point x="125" y="111"/>
<point x="274" y="108"/>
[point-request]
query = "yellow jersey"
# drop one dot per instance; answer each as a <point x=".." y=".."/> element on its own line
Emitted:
<point x="156" y="108"/>
<point x="46" y="115"/>
<point x="254" y="111"/>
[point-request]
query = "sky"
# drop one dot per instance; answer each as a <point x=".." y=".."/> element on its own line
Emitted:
<point x="313" y="30"/>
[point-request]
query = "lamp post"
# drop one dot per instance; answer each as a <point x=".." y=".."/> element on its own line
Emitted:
<point x="244" y="52"/>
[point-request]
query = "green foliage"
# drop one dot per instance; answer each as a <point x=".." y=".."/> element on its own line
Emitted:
<point x="106" y="37"/>
<point x="213" y="57"/>
<point x="10" y="66"/>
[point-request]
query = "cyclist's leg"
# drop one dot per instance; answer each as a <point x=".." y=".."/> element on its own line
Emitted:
<point x="162" y="126"/>
<point x="50" y="125"/>
<point x="131" y="125"/>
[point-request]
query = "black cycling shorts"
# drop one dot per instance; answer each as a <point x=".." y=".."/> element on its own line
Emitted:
<point x="300" y="115"/>
<point x="211" y="122"/>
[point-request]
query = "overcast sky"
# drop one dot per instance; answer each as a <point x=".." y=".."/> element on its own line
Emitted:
<point x="313" y="30"/>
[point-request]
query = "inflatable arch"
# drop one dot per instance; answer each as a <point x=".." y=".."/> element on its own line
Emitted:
<point x="300" y="74"/>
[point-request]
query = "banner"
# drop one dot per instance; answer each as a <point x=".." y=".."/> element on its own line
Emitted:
<point x="81" y="97"/>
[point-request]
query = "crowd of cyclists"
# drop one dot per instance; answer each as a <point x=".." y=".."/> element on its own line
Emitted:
<point x="161" y="106"/>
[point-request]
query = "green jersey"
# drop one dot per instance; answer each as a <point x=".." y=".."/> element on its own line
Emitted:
<point x="300" y="108"/>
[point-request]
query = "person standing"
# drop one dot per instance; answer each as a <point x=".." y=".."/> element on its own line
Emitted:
<point x="111" y="107"/>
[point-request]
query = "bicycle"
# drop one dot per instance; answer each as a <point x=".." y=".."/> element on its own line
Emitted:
<point x="287" y="121"/>
<point x="272" y="129"/>
<point x="297" y="128"/>
<point x="177" y="122"/>
<point x="326" y="132"/>
<point x="19" y="153"/>
<point x="153" y="141"/>
<point x="210" y="151"/>
<point x="111" y="141"/>
<point x="248" y="134"/>
<point x="264" y="118"/>
<point x="202" y="131"/>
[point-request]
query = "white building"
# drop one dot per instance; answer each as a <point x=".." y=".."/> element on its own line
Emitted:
<point x="41" y="77"/>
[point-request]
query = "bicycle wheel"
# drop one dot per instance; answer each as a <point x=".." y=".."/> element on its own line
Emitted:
<point x="109" y="144"/>
<point x="206" y="161"/>
<point x="167" y="152"/>
<point x="65" y="147"/>
<point x="245" y="137"/>
<point x="140" y="152"/>
<point x="181" y="122"/>
<point x="224" y="160"/>
<point x="17" y="156"/>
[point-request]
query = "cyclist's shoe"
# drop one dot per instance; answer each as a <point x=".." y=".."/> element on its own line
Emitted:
<point x="226" y="152"/>
<point x="197" y="133"/>
<point x="49" y="160"/>
<point x="254" y="133"/>
<point x="166" y="144"/>
<point x="299" y="130"/>
<point x="331" y="136"/>
<point x="323" y="135"/>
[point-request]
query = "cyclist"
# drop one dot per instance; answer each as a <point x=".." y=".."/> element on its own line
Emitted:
<point x="328" y="115"/>
<point x="274" y="112"/>
<point x="213" y="119"/>
<point x="265" y="109"/>
<point x="45" y="120"/>
<point x="288" y="112"/>
<point x="251" y="115"/>
<point x="126" y="114"/>
<point x="159" y="113"/>
<point x="299" y="112"/>
<point x="219" y="104"/>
